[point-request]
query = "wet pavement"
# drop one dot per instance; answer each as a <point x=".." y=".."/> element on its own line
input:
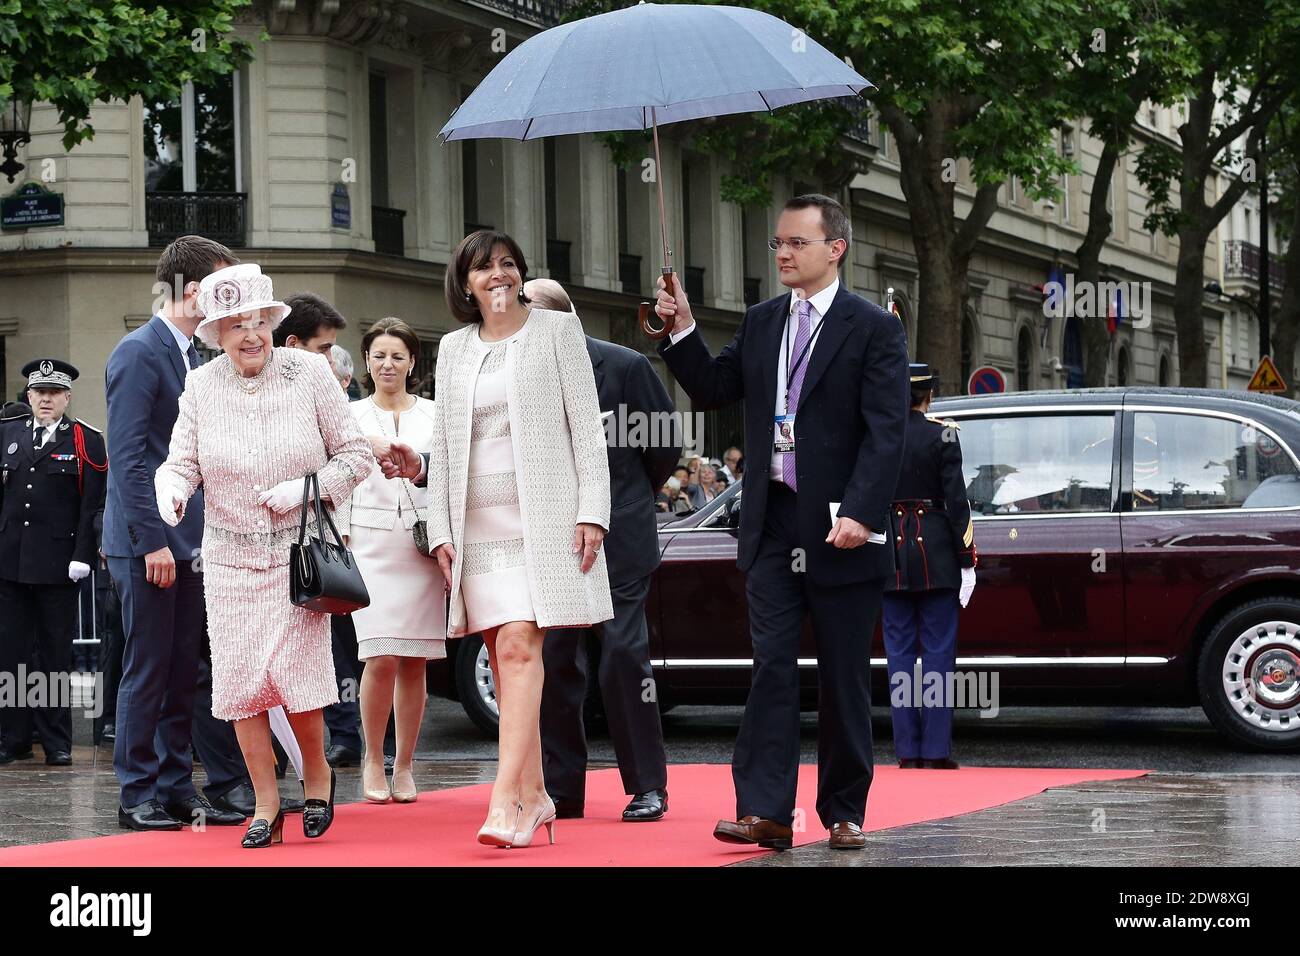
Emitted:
<point x="1204" y="804"/>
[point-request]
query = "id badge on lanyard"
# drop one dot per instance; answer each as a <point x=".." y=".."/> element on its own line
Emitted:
<point x="783" y="425"/>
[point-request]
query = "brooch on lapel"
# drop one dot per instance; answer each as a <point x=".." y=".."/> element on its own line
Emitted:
<point x="292" y="366"/>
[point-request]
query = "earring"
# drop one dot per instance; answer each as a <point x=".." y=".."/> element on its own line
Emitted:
<point x="469" y="296"/>
<point x="521" y="293"/>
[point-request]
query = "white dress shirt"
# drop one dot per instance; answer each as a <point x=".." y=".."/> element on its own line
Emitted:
<point x="37" y="428"/>
<point x="820" y="303"/>
<point x="182" y="342"/>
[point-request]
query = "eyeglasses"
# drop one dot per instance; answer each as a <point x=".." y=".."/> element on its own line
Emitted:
<point x="796" y="244"/>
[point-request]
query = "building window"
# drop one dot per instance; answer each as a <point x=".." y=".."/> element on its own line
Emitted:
<point x="1164" y="371"/>
<point x="1072" y="353"/>
<point x="192" y="156"/>
<point x="1121" y="367"/>
<point x="1024" y="353"/>
<point x="192" y="144"/>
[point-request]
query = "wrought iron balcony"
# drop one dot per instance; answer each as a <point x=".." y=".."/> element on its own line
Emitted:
<point x="219" y="216"/>
<point x="544" y="13"/>
<point x="388" y="230"/>
<point x="1241" y="260"/>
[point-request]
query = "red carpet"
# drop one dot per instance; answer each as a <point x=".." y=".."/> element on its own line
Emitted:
<point x="439" y="829"/>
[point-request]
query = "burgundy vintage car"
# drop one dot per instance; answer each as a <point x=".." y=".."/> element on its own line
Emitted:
<point x="1137" y="546"/>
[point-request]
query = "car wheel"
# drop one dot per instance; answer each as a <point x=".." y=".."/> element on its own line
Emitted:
<point x="1249" y="674"/>
<point x="478" y="693"/>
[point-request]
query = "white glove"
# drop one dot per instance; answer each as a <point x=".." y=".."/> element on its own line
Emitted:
<point x="170" y="505"/>
<point x="284" y="497"/>
<point x="77" y="570"/>
<point x="967" y="585"/>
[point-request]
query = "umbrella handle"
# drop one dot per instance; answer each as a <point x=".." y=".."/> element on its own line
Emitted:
<point x="643" y="313"/>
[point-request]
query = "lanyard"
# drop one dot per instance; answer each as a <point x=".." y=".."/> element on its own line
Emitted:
<point x="792" y="367"/>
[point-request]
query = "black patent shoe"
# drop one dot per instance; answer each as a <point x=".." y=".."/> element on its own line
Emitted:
<point x="645" y="807"/>
<point x="262" y="833"/>
<point x="317" y="815"/>
<point x="941" y="763"/>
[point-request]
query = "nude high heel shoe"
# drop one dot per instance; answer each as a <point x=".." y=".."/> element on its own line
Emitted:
<point x="402" y="794"/>
<point x="374" y="795"/>
<point x="545" y="816"/>
<point x="489" y="835"/>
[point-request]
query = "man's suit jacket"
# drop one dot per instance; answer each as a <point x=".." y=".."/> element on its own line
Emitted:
<point x="626" y="385"/>
<point x="849" y="424"/>
<point x="145" y="377"/>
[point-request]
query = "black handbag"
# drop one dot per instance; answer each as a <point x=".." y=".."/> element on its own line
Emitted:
<point x="323" y="575"/>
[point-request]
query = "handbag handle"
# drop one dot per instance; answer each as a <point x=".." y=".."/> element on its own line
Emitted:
<point x="311" y="487"/>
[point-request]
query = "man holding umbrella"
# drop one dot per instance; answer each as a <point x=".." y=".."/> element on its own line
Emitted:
<point x="823" y="375"/>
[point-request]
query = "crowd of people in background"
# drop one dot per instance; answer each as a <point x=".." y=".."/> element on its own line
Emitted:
<point x="697" y="480"/>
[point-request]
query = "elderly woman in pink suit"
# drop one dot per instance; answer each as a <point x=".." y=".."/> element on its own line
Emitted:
<point x="252" y="424"/>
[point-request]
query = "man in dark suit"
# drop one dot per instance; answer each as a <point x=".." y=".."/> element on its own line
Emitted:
<point x="629" y="391"/>
<point x="51" y="487"/>
<point x="155" y="567"/>
<point x="823" y="376"/>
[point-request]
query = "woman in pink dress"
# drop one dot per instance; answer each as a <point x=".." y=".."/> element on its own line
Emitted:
<point x="252" y="424"/>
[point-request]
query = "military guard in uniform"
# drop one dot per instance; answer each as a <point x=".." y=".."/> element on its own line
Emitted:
<point x="52" y="469"/>
<point x="934" y="545"/>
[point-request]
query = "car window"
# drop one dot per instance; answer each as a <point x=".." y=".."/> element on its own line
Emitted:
<point x="1018" y="464"/>
<point x="1183" y="462"/>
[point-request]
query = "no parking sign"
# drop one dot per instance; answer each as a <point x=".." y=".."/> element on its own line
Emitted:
<point x="986" y="380"/>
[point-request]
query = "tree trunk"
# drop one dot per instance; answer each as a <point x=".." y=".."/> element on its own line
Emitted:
<point x="1189" y="308"/>
<point x="1096" y="337"/>
<point x="940" y="310"/>
<point x="1286" y="327"/>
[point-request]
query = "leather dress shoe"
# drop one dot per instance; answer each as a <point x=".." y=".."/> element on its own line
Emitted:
<point x="568" y="809"/>
<point x="238" y="799"/>
<point x="58" y="758"/>
<point x="651" y="805"/>
<point x="751" y="829"/>
<point x="942" y="763"/>
<point x="8" y="755"/>
<point x="149" y="815"/>
<point x="109" y="732"/>
<point x="910" y="763"/>
<point x="197" y="808"/>
<point x="388" y="763"/>
<point x="341" y="756"/>
<point x="847" y="836"/>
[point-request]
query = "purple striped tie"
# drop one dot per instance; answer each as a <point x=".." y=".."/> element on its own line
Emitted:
<point x="803" y="310"/>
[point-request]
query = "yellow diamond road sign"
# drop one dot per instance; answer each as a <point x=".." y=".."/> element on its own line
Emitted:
<point x="1266" y="378"/>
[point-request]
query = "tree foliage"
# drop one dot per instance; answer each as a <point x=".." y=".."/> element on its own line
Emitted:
<point x="75" y="53"/>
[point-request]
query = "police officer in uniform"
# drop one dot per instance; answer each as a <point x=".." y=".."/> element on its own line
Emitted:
<point x="52" y="480"/>
<point x="934" y="545"/>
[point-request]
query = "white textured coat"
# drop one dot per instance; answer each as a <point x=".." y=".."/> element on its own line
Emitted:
<point x="561" y="465"/>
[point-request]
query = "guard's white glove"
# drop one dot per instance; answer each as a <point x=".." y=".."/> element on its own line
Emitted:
<point x="284" y="497"/>
<point x="170" y="505"/>
<point x="967" y="585"/>
<point x="77" y="570"/>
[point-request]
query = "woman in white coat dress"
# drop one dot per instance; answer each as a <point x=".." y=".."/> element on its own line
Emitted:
<point x="406" y="622"/>
<point x="518" y="500"/>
